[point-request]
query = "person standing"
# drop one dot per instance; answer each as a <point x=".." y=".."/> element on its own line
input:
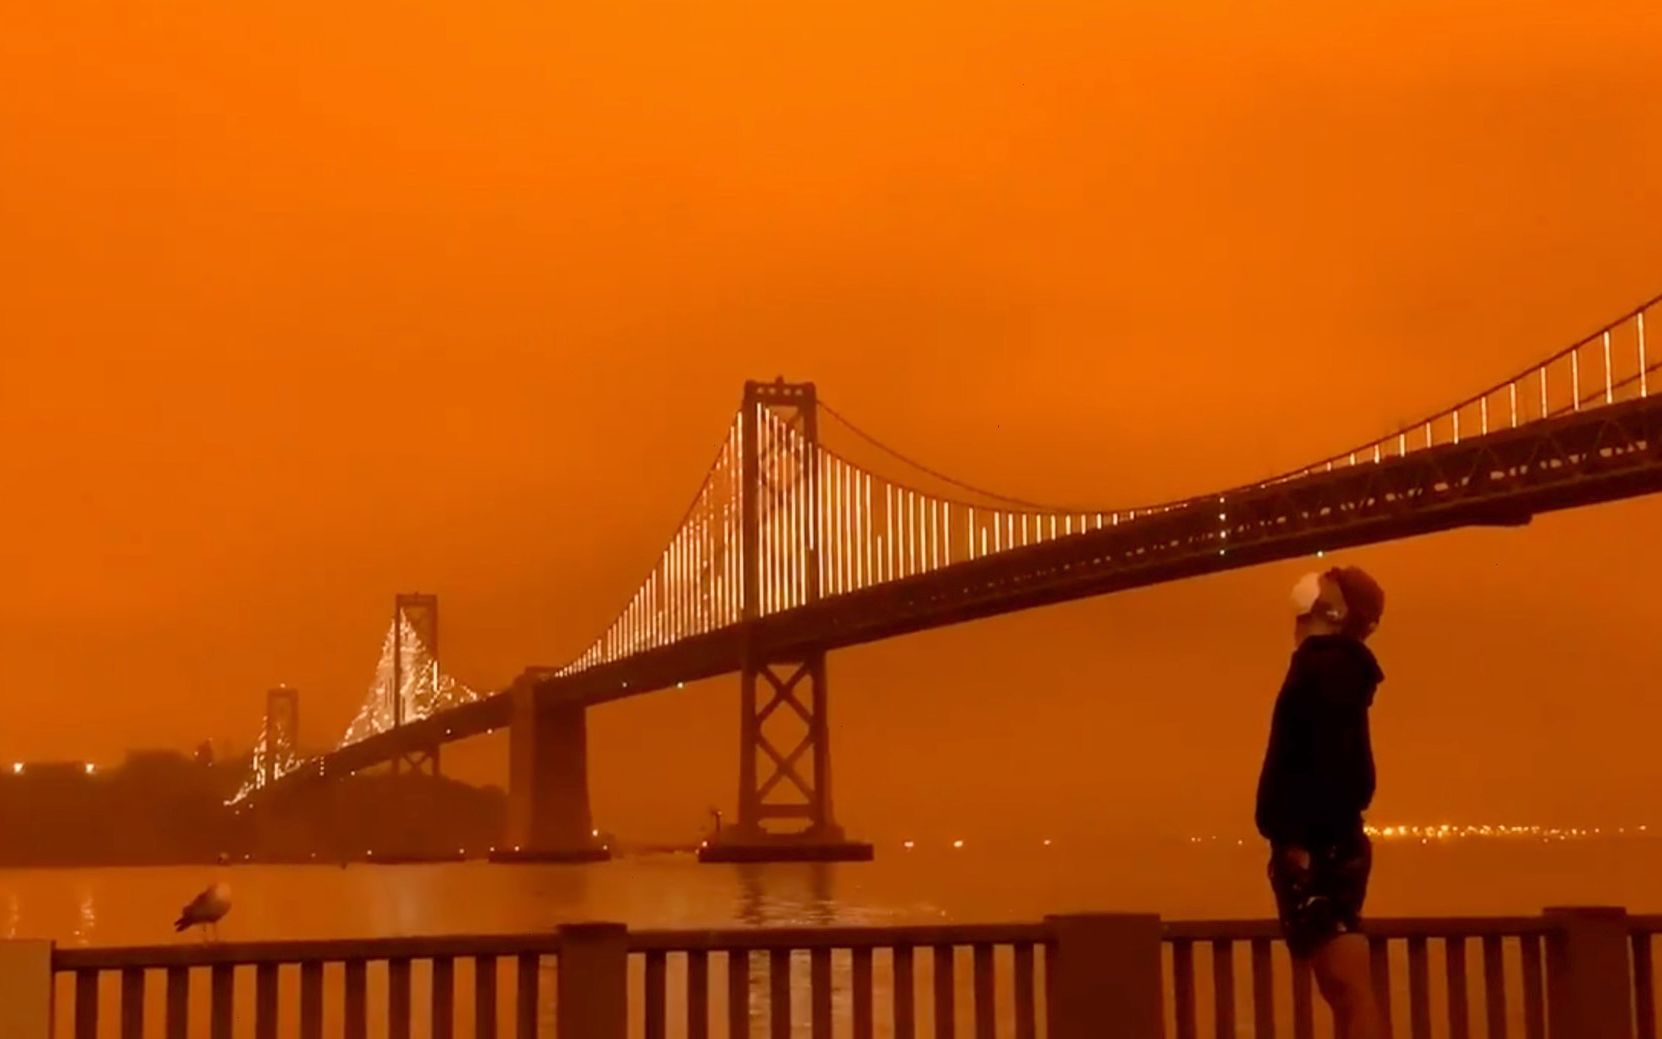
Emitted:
<point x="1317" y="780"/>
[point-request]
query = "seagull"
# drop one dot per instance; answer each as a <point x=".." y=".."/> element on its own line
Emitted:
<point x="206" y="910"/>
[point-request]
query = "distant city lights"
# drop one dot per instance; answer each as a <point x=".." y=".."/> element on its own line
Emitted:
<point x="1447" y="831"/>
<point x="1443" y="832"/>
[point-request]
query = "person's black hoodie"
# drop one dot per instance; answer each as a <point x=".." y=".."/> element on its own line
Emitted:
<point x="1318" y="774"/>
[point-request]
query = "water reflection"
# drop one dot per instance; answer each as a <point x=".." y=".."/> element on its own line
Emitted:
<point x="791" y="895"/>
<point x="87" y="918"/>
<point x="786" y="894"/>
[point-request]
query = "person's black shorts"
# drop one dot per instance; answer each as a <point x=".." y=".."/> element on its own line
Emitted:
<point x="1318" y="904"/>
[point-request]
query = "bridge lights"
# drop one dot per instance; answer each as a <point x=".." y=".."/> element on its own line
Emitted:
<point x="1644" y="370"/>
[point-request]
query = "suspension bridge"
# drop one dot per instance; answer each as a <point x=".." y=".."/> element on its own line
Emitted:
<point x="791" y="549"/>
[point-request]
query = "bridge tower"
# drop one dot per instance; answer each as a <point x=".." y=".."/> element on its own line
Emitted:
<point x="282" y="732"/>
<point x="785" y="807"/>
<point x="415" y="644"/>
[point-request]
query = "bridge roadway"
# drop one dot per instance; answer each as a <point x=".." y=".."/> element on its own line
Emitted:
<point x="1499" y="479"/>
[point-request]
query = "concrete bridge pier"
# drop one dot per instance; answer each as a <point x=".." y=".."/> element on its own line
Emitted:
<point x="548" y="785"/>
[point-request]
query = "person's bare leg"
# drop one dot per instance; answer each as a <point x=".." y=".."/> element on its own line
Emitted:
<point x="1343" y="974"/>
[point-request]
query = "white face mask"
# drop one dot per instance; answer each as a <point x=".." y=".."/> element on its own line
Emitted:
<point x="1306" y="592"/>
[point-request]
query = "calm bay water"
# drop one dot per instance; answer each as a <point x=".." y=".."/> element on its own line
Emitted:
<point x="974" y="884"/>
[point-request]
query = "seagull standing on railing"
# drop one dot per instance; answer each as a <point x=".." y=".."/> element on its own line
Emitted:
<point x="206" y="910"/>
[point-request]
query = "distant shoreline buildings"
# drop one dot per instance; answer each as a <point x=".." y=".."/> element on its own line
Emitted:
<point x="162" y="807"/>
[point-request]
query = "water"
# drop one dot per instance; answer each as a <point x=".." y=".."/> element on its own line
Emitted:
<point x="928" y="885"/>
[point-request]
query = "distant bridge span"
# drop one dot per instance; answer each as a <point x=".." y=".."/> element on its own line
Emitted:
<point x="791" y="551"/>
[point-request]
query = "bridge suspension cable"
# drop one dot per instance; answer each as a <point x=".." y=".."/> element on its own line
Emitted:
<point x="981" y="492"/>
<point x="276" y="752"/>
<point x="695" y="586"/>
<point x="823" y="525"/>
<point x="270" y="760"/>
<point x="408" y="685"/>
<point x="1613" y="364"/>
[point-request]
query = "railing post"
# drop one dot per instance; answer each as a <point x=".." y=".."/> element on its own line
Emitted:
<point x="1103" y="976"/>
<point x="26" y="989"/>
<point x="592" y="986"/>
<point x="1589" y="980"/>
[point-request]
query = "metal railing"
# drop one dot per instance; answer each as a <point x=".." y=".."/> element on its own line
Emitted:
<point x="1567" y="974"/>
<point x="1642" y="930"/>
<point x="898" y="981"/>
<point x="500" y="979"/>
<point x="1447" y="977"/>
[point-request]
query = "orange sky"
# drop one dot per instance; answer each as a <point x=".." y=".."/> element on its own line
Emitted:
<point x="305" y="304"/>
